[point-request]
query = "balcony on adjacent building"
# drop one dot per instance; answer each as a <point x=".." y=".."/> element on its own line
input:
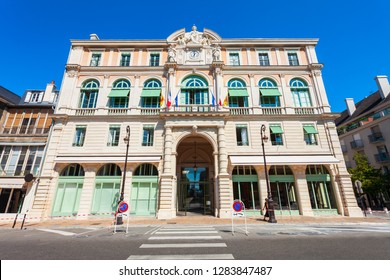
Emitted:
<point x="376" y="137"/>
<point x="382" y="157"/>
<point x="357" y="144"/>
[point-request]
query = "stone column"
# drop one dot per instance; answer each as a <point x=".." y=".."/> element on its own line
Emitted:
<point x="302" y="190"/>
<point x="167" y="209"/>
<point x="254" y="94"/>
<point x="225" y="189"/>
<point x="87" y="192"/>
<point x="262" y="184"/>
<point x="216" y="186"/>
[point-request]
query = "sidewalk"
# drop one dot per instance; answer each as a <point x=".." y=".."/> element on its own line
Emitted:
<point x="377" y="217"/>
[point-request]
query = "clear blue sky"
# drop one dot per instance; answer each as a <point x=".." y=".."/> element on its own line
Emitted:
<point x="354" y="35"/>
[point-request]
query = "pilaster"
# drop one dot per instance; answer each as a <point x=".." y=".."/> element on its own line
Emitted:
<point x="302" y="190"/>
<point x="224" y="182"/>
<point x="87" y="192"/>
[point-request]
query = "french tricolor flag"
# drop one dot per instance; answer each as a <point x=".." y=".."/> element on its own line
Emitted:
<point x="169" y="102"/>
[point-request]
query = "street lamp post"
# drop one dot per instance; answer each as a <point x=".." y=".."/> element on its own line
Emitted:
<point x="119" y="220"/>
<point x="271" y="209"/>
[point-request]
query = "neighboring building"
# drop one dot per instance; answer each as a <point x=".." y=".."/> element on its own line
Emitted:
<point x="364" y="128"/>
<point x="24" y="131"/>
<point x="7" y="98"/>
<point x="194" y="103"/>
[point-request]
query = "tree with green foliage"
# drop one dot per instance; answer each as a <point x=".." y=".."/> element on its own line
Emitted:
<point x="373" y="181"/>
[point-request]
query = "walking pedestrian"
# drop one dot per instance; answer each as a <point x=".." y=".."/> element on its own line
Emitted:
<point x="265" y="207"/>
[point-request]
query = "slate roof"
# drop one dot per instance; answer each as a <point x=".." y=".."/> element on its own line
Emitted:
<point x="9" y="96"/>
<point x="363" y="107"/>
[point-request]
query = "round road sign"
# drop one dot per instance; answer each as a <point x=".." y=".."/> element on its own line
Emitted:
<point x="237" y="206"/>
<point x="123" y="207"/>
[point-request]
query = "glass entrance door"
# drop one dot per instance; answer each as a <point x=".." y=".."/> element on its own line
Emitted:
<point x="193" y="191"/>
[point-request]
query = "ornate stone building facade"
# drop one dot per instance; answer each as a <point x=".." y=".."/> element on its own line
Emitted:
<point x="194" y="103"/>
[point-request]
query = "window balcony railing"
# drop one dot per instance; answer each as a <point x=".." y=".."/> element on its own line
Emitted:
<point x="376" y="137"/>
<point x="86" y="112"/>
<point x="305" y="111"/>
<point x="150" y="111"/>
<point x="357" y="144"/>
<point x="272" y="110"/>
<point x="193" y="108"/>
<point x="382" y="157"/>
<point x="240" y="111"/>
<point x="118" y="111"/>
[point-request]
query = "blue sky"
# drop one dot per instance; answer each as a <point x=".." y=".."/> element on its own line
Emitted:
<point x="354" y="35"/>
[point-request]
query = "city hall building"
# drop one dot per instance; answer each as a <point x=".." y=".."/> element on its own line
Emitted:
<point x="191" y="107"/>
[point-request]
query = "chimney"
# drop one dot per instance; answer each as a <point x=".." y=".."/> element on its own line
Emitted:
<point x="383" y="85"/>
<point x="93" y="37"/>
<point x="49" y="92"/>
<point x="350" y="105"/>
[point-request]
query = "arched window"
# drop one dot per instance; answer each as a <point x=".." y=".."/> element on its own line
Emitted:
<point x="300" y="92"/>
<point x="322" y="198"/>
<point x="73" y="170"/>
<point x="194" y="90"/>
<point x="152" y="83"/>
<point x="122" y="84"/>
<point x="107" y="186"/>
<point x="144" y="190"/>
<point x="246" y="188"/>
<point x="68" y="193"/>
<point x="89" y="92"/>
<point x="109" y="170"/>
<point x="238" y="94"/>
<point x="236" y="83"/>
<point x="119" y="95"/>
<point x="269" y="93"/>
<point x="282" y="185"/>
<point x="146" y="169"/>
<point x="151" y="94"/>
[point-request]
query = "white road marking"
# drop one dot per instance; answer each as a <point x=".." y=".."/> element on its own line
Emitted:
<point x="183" y="257"/>
<point x="184" y="237"/>
<point x="184" y="245"/>
<point x="185" y="232"/>
<point x="66" y="233"/>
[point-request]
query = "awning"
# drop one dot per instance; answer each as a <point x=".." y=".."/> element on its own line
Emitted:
<point x="310" y="129"/>
<point x="151" y="92"/>
<point x="283" y="160"/>
<point x="106" y="159"/>
<point x="276" y="129"/>
<point x="238" y="92"/>
<point x="119" y="93"/>
<point x="270" y="92"/>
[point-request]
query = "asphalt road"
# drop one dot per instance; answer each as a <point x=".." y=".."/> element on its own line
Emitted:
<point x="265" y="242"/>
<point x="270" y="242"/>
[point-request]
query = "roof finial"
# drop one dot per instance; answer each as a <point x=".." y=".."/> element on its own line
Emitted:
<point x="194" y="27"/>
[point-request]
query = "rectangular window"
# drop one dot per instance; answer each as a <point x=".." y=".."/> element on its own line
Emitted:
<point x="238" y="101"/>
<point x="148" y="135"/>
<point x="79" y="136"/>
<point x="276" y="134"/>
<point x="36" y="97"/>
<point x="293" y="59"/>
<point x="310" y="135"/>
<point x="95" y="59"/>
<point x="269" y="101"/>
<point x="234" y="59"/>
<point x="88" y="99"/>
<point x="150" y="102"/>
<point x="154" y="59"/>
<point x="119" y="102"/>
<point x="113" y="135"/>
<point x="263" y="59"/>
<point x="242" y="135"/>
<point x="125" y="59"/>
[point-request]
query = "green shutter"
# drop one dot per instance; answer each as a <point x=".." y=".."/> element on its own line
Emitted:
<point x="276" y="129"/>
<point x="310" y="129"/>
<point x="238" y="92"/>
<point x="150" y="92"/>
<point x="119" y="93"/>
<point x="270" y="92"/>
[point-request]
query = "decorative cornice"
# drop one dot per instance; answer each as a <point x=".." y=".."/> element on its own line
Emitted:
<point x="316" y="66"/>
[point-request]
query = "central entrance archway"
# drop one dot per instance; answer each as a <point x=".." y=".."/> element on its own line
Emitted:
<point x="195" y="177"/>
